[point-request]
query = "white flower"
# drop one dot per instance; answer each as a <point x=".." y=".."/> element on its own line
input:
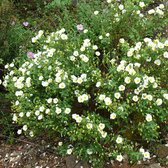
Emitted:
<point x="121" y="7"/>
<point x="159" y="102"/>
<point x="31" y="133"/>
<point x="24" y="128"/>
<point x="151" y="11"/>
<point x="28" y="82"/>
<point x="109" y="1"/>
<point x="49" y="80"/>
<point x="85" y="59"/>
<point x="101" y="126"/>
<point x="97" y="53"/>
<point x="42" y="108"/>
<point x="150" y="97"/>
<point x="37" y="112"/>
<point x="101" y="37"/>
<point x="121" y="88"/>
<point x="64" y="37"/>
<point x="148" y="117"/>
<point x="49" y="100"/>
<point x="151" y="79"/>
<point x="55" y="100"/>
<point x="95" y="47"/>
<point x="19" y="84"/>
<point x="112" y="61"/>
<point x="103" y="134"/>
<point x="60" y="143"/>
<point x="160" y="12"/>
<point x="121" y="108"/>
<point x="45" y="83"/>
<point x="157" y="62"/>
<point x="137" y="64"/>
<point x="141" y="150"/>
<point x="58" y="79"/>
<point x="121" y="40"/>
<point x="58" y="110"/>
<point x="85" y="97"/>
<point x="119" y="158"/>
<point x="96" y="12"/>
<point x="129" y="67"/>
<point x="107" y="34"/>
<point x="113" y="116"/>
<point x="76" y="53"/>
<point x="127" y="80"/>
<point x="160" y="45"/>
<point x="72" y="58"/>
<point x="147" y="40"/>
<point x="165" y="95"/>
<point x="146" y="155"/>
<point x="123" y="62"/>
<point x="62" y="85"/>
<point x="69" y="151"/>
<point x="14" y="117"/>
<point x="117" y="95"/>
<point x="166" y="43"/>
<point x="130" y="53"/>
<point x="47" y="111"/>
<point x="19" y="93"/>
<point x="89" y="126"/>
<point x="34" y="40"/>
<point x="77" y="118"/>
<point x="80" y="99"/>
<point x="155" y="85"/>
<point x="120" y="67"/>
<point x="98" y="84"/>
<point x="82" y="48"/>
<point x="107" y="101"/>
<point x="40" y="32"/>
<point x="137" y="91"/>
<point x="119" y="140"/>
<point x="85" y="31"/>
<point x="40" y="117"/>
<point x="161" y="6"/>
<point x="123" y="11"/>
<point x="19" y="131"/>
<point x="149" y="59"/>
<point x="67" y="110"/>
<point x="62" y="30"/>
<point x="141" y="4"/>
<point x="132" y="72"/>
<point x="89" y="151"/>
<point x="11" y="65"/>
<point x="165" y="54"/>
<point x="137" y="80"/>
<point x="74" y="78"/>
<point x="17" y="103"/>
<point x="102" y="97"/>
<point x="14" y="79"/>
<point x="135" y="98"/>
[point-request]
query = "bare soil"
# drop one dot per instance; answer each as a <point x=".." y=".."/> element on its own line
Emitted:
<point x="26" y="153"/>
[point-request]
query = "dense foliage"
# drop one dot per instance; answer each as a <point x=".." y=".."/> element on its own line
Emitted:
<point x="98" y="83"/>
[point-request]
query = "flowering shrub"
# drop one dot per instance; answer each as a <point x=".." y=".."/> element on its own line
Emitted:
<point x="101" y="88"/>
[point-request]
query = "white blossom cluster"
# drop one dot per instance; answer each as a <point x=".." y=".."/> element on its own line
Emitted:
<point x="86" y="90"/>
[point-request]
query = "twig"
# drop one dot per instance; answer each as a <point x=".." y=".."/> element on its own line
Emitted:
<point x="4" y="136"/>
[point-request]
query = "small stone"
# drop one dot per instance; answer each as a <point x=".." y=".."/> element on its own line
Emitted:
<point x="162" y="151"/>
<point x="155" y="165"/>
<point x="71" y="163"/>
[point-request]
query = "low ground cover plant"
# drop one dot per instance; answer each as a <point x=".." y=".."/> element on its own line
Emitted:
<point x="98" y="82"/>
<point x="14" y="33"/>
